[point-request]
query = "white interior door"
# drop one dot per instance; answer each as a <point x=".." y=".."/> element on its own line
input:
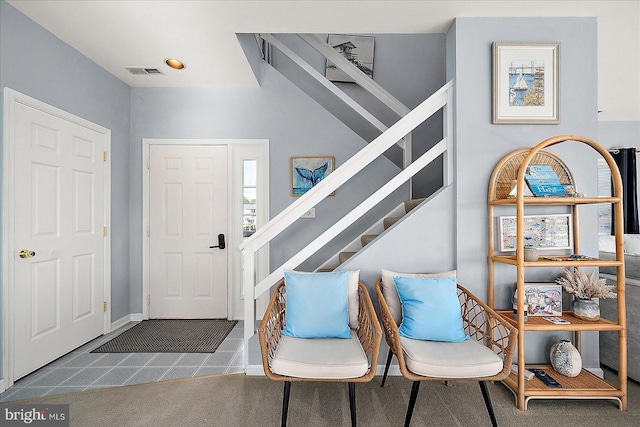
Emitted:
<point x="59" y="244"/>
<point x="187" y="212"/>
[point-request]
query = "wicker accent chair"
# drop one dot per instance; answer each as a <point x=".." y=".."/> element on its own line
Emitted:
<point x="319" y="359"/>
<point x="485" y="356"/>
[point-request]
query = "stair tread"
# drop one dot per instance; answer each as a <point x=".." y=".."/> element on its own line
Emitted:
<point x="367" y="238"/>
<point x="410" y="204"/>
<point x="389" y="221"/>
<point x="343" y="256"/>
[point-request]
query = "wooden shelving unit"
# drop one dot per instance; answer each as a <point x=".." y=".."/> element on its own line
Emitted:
<point x="512" y="168"/>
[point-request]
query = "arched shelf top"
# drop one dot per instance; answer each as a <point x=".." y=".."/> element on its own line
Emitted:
<point x="511" y="168"/>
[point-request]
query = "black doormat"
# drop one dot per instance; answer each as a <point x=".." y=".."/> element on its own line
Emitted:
<point x="170" y="336"/>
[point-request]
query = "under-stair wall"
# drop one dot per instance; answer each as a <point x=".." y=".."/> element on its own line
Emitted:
<point x="410" y="66"/>
<point x="422" y="241"/>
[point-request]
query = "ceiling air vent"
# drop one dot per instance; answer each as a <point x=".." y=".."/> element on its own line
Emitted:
<point x="143" y="70"/>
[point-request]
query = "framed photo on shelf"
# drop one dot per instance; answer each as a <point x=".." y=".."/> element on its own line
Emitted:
<point x="307" y="171"/>
<point x="525" y="83"/>
<point x="544" y="232"/>
<point x="544" y="299"/>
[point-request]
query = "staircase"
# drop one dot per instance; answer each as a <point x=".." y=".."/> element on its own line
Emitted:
<point x="397" y="134"/>
<point x="370" y="235"/>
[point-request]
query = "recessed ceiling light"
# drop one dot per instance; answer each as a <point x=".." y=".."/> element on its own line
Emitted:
<point x="174" y="63"/>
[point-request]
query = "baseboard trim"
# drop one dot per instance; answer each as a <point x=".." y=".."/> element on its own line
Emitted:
<point x="599" y="372"/>
<point x="258" y="371"/>
<point x="120" y="322"/>
<point x="254" y="371"/>
<point x="394" y="371"/>
<point x="134" y="317"/>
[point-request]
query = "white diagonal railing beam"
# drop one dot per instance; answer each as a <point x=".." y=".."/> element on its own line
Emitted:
<point x="345" y="172"/>
<point x="355" y="73"/>
<point x="325" y="82"/>
<point x="352" y="216"/>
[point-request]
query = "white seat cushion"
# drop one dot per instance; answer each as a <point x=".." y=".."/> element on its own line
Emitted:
<point x="331" y="358"/>
<point x="466" y="359"/>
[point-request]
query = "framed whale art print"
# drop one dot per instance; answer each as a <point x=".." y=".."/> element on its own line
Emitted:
<point x="307" y="172"/>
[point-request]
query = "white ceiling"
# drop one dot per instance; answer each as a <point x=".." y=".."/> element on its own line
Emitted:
<point x="117" y="34"/>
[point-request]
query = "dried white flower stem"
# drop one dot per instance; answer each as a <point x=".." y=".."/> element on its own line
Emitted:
<point x="585" y="286"/>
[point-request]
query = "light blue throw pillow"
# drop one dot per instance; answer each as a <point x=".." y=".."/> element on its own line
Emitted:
<point x="430" y="309"/>
<point x="317" y="305"/>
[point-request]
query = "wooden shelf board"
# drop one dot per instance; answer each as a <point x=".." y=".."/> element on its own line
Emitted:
<point x="568" y="201"/>
<point x="594" y="262"/>
<point x="537" y="323"/>
<point x="584" y="385"/>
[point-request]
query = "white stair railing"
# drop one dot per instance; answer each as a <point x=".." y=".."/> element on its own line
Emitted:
<point x="441" y="99"/>
<point x="352" y="216"/>
<point x="361" y="79"/>
<point x="325" y="82"/>
<point x="354" y="72"/>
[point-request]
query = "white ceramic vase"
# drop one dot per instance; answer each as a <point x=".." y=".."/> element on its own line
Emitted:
<point x="565" y="358"/>
<point x="585" y="309"/>
<point x="531" y="254"/>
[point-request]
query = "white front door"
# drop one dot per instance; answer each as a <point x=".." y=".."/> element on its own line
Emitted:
<point x="59" y="244"/>
<point x="187" y="212"/>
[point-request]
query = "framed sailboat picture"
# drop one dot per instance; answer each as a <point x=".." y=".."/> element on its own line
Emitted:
<point x="525" y="83"/>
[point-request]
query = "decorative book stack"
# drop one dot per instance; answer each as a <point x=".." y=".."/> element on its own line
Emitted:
<point x="543" y="181"/>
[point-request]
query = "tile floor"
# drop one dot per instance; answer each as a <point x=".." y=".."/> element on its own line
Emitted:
<point x="82" y="370"/>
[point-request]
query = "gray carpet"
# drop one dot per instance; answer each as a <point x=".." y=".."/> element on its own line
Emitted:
<point x="237" y="400"/>
<point x="170" y="336"/>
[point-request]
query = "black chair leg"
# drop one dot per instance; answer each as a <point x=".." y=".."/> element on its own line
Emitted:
<point x="285" y="403"/>
<point x="487" y="402"/>
<point x="412" y="402"/>
<point x="386" y="368"/>
<point x="352" y="403"/>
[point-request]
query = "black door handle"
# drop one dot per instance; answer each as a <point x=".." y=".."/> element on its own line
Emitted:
<point x="221" y="244"/>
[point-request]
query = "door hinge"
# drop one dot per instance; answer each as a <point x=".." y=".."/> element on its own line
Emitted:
<point x="148" y="163"/>
<point x="148" y="231"/>
<point x="104" y="231"/>
<point x="149" y="299"/>
<point x="104" y="156"/>
<point x="104" y="307"/>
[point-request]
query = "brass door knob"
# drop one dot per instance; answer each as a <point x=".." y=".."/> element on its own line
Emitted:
<point x="26" y="253"/>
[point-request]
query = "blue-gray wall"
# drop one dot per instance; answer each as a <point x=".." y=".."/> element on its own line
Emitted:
<point x="294" y="124"/>
<point x="454" y="224"/>
<point x="38" y="64"/>
<point x="481" y="144"/>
